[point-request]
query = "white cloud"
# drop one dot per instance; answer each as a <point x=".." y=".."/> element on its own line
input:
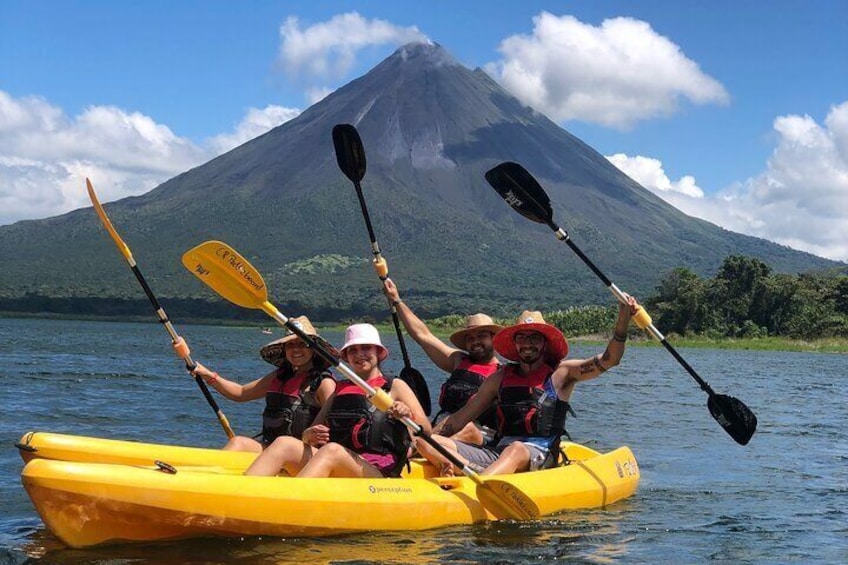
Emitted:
<point x="46" y="155"/>
<point x="617" y="74"/>
<point x="650" y="173"/>
<point x="799" y="200"/>
<point x="254" y="124"/>
<point x="327" y="51"/>
<point x="316" y="94"/>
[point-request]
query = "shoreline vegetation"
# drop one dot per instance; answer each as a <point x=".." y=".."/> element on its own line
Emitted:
<point x="441" y="328"/>
<point x="744" y="306"/>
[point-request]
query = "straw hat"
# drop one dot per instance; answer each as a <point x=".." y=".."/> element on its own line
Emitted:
<point x="557" y="347"/>
<point x="275" y="352"/>
<point x="475" y="322"/>
<point x="364" y="334"/>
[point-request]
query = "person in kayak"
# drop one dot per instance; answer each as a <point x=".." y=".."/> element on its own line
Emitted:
<point x="363" y="441"/>
<point x="294" y="392"/>
<point x="531" y="395"/>
<point x="469" y="363"/>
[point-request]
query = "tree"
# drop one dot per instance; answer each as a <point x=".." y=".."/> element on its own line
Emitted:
<point x="677" y="306"/>
<point x="733" y="293"/>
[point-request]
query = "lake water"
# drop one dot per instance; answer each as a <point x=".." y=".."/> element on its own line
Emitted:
<point x="703" y="498"/>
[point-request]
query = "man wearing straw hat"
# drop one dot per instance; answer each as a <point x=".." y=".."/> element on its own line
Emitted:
<point x="469" y="363"/>
<point x="531" y="394"/>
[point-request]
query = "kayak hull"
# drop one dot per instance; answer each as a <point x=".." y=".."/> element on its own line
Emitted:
<point x="85" y="503"/>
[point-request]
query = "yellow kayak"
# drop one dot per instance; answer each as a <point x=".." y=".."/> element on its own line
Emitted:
<point x="86" y="503"/>
<point x="67" y="447"/>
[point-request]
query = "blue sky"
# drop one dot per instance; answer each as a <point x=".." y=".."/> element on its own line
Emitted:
<point x="736" y="112"/>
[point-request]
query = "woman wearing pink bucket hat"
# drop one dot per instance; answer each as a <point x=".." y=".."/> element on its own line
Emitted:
<point x="531" y="394"/>
<point x="364" y="442"/>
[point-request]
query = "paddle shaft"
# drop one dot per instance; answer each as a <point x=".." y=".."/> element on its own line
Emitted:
<point x="178" y="342"/>
<point x="527" y="197"/>
<point x="190" y="364"/>
<point x="562" y="235"/>
<point x="382" y="271"/>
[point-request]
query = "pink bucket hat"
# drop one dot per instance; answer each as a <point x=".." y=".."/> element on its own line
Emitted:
<point x="364" y="334"/>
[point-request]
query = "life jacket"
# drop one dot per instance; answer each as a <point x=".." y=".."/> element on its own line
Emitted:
<point x="462" y="384"/>
<point x="528" y="406"/>
<point x="290" y="404"/>
<point x="357" y="424"/>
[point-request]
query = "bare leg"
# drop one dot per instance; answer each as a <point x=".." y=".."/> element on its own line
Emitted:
<point x="436" y="458"/>
<point x="514" y="459"/>
<point x="286" y="453"/>
<point x="241" y="443"/>
<point x="469" y="434"/>
<point x="334" y="460"/>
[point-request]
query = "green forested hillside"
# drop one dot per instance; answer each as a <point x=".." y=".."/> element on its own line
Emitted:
<point x="431" y="129"/>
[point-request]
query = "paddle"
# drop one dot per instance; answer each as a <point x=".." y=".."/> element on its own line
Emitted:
<point x="179" y="344"/>
<point x="524" y="194"/>
<point x="350" y="155"/>
<point x="229" y="274"/>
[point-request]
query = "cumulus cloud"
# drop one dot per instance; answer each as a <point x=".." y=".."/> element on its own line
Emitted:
<point x="799" y="200"/>
<point x="254" y="124"/>
<point x="45" y="155"/>
<point x="327" y="51"/>
<point x="650" y="173"/>
<point x="616" y="74"/>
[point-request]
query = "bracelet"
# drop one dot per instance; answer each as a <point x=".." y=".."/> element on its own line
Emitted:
<point x="213" y="379"/>
<point x="397" y="302"/>
<point x="619" y="338"/>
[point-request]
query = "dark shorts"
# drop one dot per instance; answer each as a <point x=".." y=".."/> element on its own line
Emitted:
<point x="481" y="457"/>
<point x="478" y="457"/>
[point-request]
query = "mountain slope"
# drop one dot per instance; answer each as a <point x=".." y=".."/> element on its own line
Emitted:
<point x="431" y="128"/>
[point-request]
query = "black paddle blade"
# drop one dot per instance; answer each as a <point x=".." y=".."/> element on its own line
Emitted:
<point x="350" y="153"/>
<point x="416" y="382"/>
<point x="732" y="414"/>
<point x="521" y="191"/>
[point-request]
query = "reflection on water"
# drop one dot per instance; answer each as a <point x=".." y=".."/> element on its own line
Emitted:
<point x="582" y="538"/>
<point x="702" y="497"/>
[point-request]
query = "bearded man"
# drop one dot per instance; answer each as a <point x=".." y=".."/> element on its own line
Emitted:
<point x="469" y="363"/>
<point x="530" y="395"/>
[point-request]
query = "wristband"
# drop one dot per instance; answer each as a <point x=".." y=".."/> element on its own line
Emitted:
<point x="619" y="338"/>
<point x="397" y="302"/>
<point x="213" y="379"/>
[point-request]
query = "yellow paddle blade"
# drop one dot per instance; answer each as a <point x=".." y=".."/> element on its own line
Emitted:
<point x="506" y="501"/>
<point x="107" y="223"/>
<point x="226" y="272"/>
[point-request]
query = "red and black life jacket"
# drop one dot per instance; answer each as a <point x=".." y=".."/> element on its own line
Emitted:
<point x="528" y="406"/>
<point x="357" y="424"/>
<point x="462" y="384"/>
<point x="290" y="403"/>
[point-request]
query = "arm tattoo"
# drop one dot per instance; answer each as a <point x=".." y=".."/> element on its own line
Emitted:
<point x="597" y="362"/>
<point x="587" y="367"/>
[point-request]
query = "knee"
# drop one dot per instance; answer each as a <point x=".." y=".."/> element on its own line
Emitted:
<point x="280" y="445"/>
<point x="240" y="443"/>
<point x="516" y="452"/>
<point x="331" y="450"/>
